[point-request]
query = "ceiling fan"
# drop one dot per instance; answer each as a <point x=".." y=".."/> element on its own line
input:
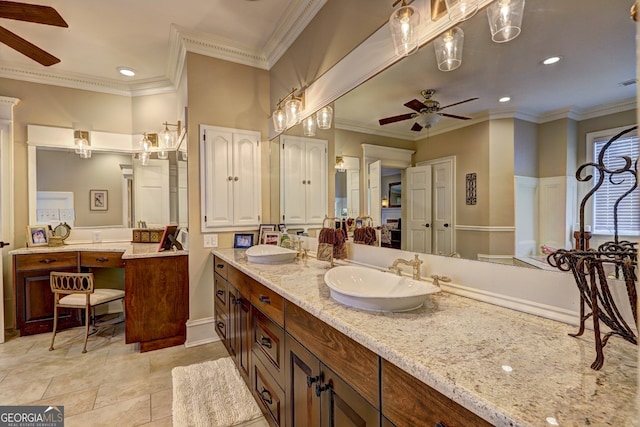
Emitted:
<point x="427" y="112"/>
<point x="29" y="13"/>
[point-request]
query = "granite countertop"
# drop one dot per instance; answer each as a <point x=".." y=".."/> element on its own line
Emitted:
<point x="131" y="250"/>
<point x="508" y="367"/>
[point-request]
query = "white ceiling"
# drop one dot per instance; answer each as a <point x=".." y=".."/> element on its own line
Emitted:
<point x="150" y="36"/>
<point x="595" y="38"/>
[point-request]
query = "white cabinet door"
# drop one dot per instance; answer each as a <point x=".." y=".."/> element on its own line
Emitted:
<point x="230" y="177"/>
<point x="303" y="180"/>
<point x="151" y="192"/>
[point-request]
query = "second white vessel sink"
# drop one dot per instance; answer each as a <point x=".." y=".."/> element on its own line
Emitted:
<point x="270" y="254"/>
<point x="370" y="289"/>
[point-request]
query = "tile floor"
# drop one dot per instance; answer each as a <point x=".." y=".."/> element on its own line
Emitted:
<point x="110" y="385"/>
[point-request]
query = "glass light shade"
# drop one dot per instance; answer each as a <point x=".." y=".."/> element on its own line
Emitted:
<point x="279" y="120"/>
<point x="167" y="138"/>
<point x="163" y="155"/>
<point x="292" y="111"/>
<point x="324" y="116"/>
<point x="144" y="158"/>
<point x="145" y="143"/>
<point x="461" y="10"/>
<point x="85" y="154"/>
<point x="428" y="120"/>
<point x="385" y="202"/>
<point x="505" y="19"/>
<point x="448" y="48"/>
<point x="339" y="166"/>
<point x="309" y="126"/>
<point x="404" y="28"/>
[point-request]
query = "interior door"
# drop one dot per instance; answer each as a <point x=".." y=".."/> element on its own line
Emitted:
<point x="353" y="192"/>
<point x="152" y="192"/>
<point x="442" y="212"/>
<point x="418" y="212"/>
<point x="5" y="205"/>
<point x="375" y="182"/>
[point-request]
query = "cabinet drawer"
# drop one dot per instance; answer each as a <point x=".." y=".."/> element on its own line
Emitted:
<point x="407" y="401"/>
<point x="221" y="267"/>
<point x="46" y="261"/>
<point x="268" y="301"/>
<point x="220" y="292"/>
<point x="222" y="327"/>
<point x="268" y="344"/>
<point x="268" y="393"/>
<point x="101" y="259"/>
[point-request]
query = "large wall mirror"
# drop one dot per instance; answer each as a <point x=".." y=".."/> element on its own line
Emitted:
<point x="539" y="134"/>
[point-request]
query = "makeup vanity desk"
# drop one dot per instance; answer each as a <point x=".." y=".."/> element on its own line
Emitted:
<point x="156" y="288"/>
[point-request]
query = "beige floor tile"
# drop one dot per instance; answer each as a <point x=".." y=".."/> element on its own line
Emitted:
<point x="74" y="403"/>
<point x="132" y="412"/>
<point x="164" y="422"/>
<point x="161" y="404"/>
<point x="26" y="392"/>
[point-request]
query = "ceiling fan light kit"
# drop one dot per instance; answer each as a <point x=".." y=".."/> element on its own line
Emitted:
<point x="461" y="10"/>
<point x="448" y="47"/>
<point x="505" y="19"/>
<point x="404" y="28"/>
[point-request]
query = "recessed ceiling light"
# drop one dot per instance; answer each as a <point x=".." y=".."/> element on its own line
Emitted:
<point x="126" y="71"/>
<point x="504" y="99"/>
<point x="551" y="60"/>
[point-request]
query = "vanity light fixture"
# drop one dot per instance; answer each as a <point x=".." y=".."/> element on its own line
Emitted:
<point x="309" y="126"/>
<point x="385" y="202"/>
<point x="339" y="166"/>
<point x="404" y="28"/>
<point x="169" y="137"/>
<point x="448" y="47"/>
<point x="505" y="19"/>
<point x="290" y="115"/>
<point x="461" y="10"/>
<point x="148" y="141"/>
<point x="324" y="117"/>
<point x="82" y="144"/>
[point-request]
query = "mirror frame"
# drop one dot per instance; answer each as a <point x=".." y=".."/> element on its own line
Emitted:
<point x="391" y="186"/>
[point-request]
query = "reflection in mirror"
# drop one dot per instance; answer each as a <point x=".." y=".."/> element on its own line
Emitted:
<point x="347" y="193"/>
<point x="395" y="194"/>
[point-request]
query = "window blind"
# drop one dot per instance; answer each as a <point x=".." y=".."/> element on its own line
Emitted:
<point x="608" y="193"/>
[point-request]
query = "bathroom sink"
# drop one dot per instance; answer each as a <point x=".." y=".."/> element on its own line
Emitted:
<point x="270" y="254"/>
<point x="370" y="289"/>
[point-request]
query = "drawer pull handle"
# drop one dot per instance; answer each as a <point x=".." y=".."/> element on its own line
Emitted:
<point x="311" y="380"/>
<point x="265" y="299"/>
<point x="236" y="301"/>
<point x="266" y="396"/>
<point x="321" y="388"/>
<point x="47" y="260"/>
<point x="219" y="265"/>
<point x="265" y="341"/>
<point x="220" y="292"/>
<point x="220" y="325"/>
<point x="102" y="259"/>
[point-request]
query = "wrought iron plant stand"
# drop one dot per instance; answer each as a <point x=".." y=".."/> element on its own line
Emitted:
<point x="589" y="266"/>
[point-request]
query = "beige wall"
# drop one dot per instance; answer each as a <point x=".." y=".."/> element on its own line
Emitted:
<point x="525" y="149"/>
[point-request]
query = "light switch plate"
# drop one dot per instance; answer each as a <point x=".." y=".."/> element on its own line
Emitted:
<point x="210" y="240"/>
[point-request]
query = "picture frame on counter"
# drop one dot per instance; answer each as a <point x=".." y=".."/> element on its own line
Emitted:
<point x="263" y="229"/>
<point x="242" y="240"/>
<point x="37" y="235"/>
<point x="272" y="238"/>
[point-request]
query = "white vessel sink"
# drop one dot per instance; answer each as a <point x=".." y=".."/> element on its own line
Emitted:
<point x="270" y="254"/>
<point x="370" y="289"/>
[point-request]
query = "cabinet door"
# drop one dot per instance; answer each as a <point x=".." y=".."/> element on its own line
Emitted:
<point x="316" y="188"/>
<point x="240" y="320"/>
<point x="302" y="374"/>
<point x="216" y="169"/>
<point x="342" y="405"/>
<point x="247" y="191"/>
<point x="293" y="180"/>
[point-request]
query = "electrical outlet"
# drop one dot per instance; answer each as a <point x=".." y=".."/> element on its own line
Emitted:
<point x="210" y="240"/>
<point x="45" y="215"/>
<point x="67" y="215"/>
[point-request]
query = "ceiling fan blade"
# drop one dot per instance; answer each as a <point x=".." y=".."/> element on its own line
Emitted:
<point x="416" y="127"/>
<point x="26" y="48"/>
<point x="31" y="13"/>
<point x="415" y="105"/>
<point x="457" y="103"/>
<point x="394" y="119"/>
<point x="453" y="116"/>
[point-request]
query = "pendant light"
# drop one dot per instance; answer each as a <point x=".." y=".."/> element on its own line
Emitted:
<point x="448" y="47"/>
<point x="292" y="110"/>
<point x="309" y="126"/>
<point x="279" y="120"/>
<point x="324" y="116"/>
<point x="404" y="28"/>
<point x="505" y="19"/>
<point x="461" y="10"/>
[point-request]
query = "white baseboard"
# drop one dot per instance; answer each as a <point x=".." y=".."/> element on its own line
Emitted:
<point x="201" y="331"/>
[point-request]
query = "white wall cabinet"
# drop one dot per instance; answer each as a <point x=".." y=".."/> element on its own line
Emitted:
<point x="303" y="180"/>
<point x="229" y="178"/>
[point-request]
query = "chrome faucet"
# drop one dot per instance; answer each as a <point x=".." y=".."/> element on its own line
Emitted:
<point x="415" y="263"/>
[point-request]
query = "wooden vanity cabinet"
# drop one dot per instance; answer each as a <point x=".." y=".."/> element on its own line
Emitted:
<point x="32" y="290"/>
<point x="157" y="301"/>
<point x="407" y="401"/>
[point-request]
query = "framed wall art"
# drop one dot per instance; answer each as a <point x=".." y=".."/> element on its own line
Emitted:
<point x="98" y="200"/>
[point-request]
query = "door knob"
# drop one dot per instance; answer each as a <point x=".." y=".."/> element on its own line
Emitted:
<point x="446" y="225"/>
<point x="3" y="244"/>
<point x="427" y="225"/>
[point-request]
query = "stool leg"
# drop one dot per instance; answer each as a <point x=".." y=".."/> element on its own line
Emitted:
<point x="87" y="319"/>
<point x="55" y="323"/>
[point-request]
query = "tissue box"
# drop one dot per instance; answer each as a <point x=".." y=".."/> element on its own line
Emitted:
<point x="147" y="235"/>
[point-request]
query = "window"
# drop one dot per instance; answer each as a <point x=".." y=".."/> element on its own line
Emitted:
<point x="607" y="195"/>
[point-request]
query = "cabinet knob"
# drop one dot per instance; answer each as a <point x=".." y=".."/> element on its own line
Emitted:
<point x="235" y="178"/>
<point x="440" y="424"/>
<point x="229" y="178"/>
<point x="427" y="225"/>
<point x="265" y="299"/>
<point x="311" y="380"/>
<point x="265" y="341"/>
<point x="266" y="396"/>
<point x="102" y="259"/>
<point x="304" y="181"/>
<point x="220" y="265"/>
<point x="220" y="325"/>
<point x="309" y="181"/>
<point x="47" y="260"/>
<point x="321" y="388"/>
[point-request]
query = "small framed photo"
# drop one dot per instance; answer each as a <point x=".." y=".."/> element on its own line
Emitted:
<point x="264" y="228"/>
<point x="272" y="237"/>
<point x="37" y="235"/>
<point x="243" y="240"/>
<point x="98" y="200"/>
<point x="282" y="228"/>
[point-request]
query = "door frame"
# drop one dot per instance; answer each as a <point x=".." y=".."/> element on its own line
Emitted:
<point x="452" y="193"/>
